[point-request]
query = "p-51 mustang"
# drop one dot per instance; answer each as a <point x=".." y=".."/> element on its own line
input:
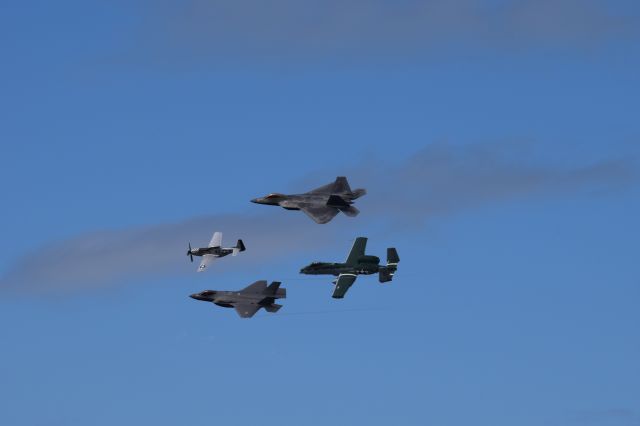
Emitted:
<point x="358" y="263"/>
<point x="214" y="251"/>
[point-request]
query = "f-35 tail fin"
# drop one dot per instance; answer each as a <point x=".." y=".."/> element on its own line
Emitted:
<point x="275" y="290"/>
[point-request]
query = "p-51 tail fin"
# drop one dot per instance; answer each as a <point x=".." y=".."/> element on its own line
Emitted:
<point x="238" y="248"/>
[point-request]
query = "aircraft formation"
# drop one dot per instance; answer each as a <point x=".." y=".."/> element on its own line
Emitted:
<point x="322" y="205"/>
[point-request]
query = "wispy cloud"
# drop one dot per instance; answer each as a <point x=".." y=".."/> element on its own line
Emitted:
<point x="440" y="180"/>
<point x="253" y="29"/>
<point x="444" y="179"/>
<point x="613" y="416"/>
<point x="110" y="257"/>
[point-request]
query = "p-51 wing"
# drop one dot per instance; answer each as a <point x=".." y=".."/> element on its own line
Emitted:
<point x="207" y="259"/>
<point x="343" y="283"/>
<point x="216" y="240"/>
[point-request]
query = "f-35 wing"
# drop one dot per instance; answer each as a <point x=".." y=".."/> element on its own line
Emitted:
<point x="216" y="241"/>
<point x="246" y="310"/>
<point x="257" y="287"/>
<point x="320" y="214"/>
<point x="207" y="259"/>
<point x="343" y="283"/>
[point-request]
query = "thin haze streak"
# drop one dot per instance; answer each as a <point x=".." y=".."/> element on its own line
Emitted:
<point x="439" y="181"/>
<point x="231" y="29"/>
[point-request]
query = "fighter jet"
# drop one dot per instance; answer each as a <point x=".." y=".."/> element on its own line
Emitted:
<point x="214" y="251"/>
<point x="357" y="263"/>
<point x="247" y="301"/>
<point x="322" y="204"/>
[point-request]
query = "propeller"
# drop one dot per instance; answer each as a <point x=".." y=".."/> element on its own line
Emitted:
<point x="189" y="253"/>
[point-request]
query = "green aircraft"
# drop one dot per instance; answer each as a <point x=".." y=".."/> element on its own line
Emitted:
<point x="357" y="263"/>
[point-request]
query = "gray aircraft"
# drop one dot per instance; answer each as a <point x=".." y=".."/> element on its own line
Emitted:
<point x="247" y="301"/>
<point x="214" y="251"/>
<point x="357" y="263"/>
<point x="322" y="204"/>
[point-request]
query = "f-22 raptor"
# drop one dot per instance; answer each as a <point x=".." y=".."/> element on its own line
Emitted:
<point x="357" y="263"/>
<point x="247" y="301"/>
<point x="322" y="204"/>
<point x="215" y="250"/>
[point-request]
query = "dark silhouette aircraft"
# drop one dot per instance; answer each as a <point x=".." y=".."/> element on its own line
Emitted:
<point x="357" y="263"/>
<point x="247" y="301"/>
<point x="322" y="204"/>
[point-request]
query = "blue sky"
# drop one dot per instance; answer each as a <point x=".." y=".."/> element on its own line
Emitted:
<point x="498" y="142"/>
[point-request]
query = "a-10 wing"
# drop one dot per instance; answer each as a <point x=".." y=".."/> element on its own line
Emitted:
<point x="343" y="283"/>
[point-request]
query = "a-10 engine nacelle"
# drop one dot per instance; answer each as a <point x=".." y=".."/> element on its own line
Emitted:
<point x="369" y="259"/>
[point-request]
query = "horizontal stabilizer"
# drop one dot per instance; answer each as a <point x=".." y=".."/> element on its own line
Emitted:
<point x="350" y="211"/>
<point x="273" y="308"/>
<point x="359" y="193"/>
<point x="385" y="275"/>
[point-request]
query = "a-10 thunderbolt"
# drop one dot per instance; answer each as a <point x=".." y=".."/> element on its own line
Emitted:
<point x="357" y="263"/>
<point x="247" y="301"/>
<point x="214" y="250"/>
<point x="322" y="204"/>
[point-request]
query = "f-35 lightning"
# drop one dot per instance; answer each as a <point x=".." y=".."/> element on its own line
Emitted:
<point x="357" y="263"/>
<point x="322" y="204"/>
<point x="247" y="301"/>
<point x="214" y="250"/>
